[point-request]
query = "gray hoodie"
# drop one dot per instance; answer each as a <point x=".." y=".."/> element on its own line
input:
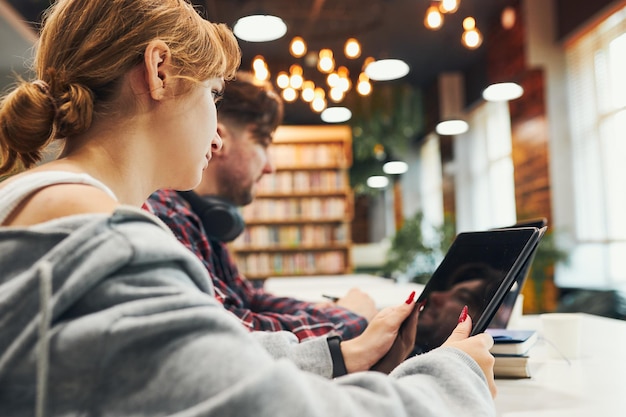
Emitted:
<point x="111" y="316"/>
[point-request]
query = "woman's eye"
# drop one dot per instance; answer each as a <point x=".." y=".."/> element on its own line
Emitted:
<point x="217" y="96"/>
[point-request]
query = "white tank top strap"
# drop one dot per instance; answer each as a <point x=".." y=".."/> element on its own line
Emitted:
<point x="20" y="188"/>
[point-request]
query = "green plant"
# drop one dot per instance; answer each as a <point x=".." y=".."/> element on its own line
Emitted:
<point x="547" y="255"/>
<point x="384" y="123"/>
<point x="416" y="249"/>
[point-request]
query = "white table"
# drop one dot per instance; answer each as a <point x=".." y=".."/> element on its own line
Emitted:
<point x="385" y="292"/>
<point x="594" y="385"/>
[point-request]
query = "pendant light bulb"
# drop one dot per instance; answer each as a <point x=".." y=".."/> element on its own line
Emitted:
<point x="364" y="87"/>
<point x="352" y="49"/>
<point x="298" y="47"/>
<point x="433" y="19"/>
<point x="449" y="6"/>
<point x="471" y="38"/>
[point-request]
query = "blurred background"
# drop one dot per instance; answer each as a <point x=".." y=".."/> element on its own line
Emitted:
<point x="430" y="151"/>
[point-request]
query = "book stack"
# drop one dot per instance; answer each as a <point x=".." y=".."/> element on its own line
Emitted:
<point x="511" y="352"/>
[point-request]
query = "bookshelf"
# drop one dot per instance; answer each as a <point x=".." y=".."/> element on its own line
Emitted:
<point x="299" y="222"/>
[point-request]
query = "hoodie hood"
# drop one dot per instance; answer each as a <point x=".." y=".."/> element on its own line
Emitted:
<point x="48" y="269"/>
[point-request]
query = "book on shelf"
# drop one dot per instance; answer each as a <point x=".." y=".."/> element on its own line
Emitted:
<point x="511" y="366"/>
<point x="512" y="342"/>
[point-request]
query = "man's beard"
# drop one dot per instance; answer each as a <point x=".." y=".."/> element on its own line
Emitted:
<point x="239" y="196"/>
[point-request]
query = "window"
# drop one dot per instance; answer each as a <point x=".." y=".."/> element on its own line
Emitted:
<point x="430" y="182"/>
<point x="484" y="184"/>
<point x="596" y="77"/>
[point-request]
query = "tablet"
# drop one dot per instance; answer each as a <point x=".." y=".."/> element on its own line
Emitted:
<point x="478" y="271"/>
<point x="501" y="319"/>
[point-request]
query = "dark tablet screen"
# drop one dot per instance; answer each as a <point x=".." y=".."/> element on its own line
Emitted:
<point x="478" y="270"/>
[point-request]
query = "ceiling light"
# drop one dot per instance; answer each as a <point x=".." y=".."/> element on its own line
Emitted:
<point x="395" y="167"/>
<point x="433" y="19"/>
<point x="319" y="101"/>
<point x="282" y="80"/>
<point x="449" y="6"/>
<point x="261" y="71"/>
<point x="308" y="91"/>
<point x="336" y="94"/>
<point x="508" y="17"/>
<point x="290" y="94"/>
<point x="471" y="38"/>
<point x="387" y="69"/>
<point x="377" y="181"/>
<point x="503" y="92"/>
<point x="297" y="47"/>
<point x="260" y="28"/>
<point x="332" y="79"/>
<point x="295" y="79"/>
<point x="336" y="115"/>
<point x="352" y="49"/>
<point x="326" y="63"/>
<point x="318" y="104"/>
<point x="364" y="87"/>
<point x="452" y="127"/>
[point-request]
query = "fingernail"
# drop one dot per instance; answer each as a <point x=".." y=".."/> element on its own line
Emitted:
<point x="463" y="315"/>
<point x="411" y="297"/>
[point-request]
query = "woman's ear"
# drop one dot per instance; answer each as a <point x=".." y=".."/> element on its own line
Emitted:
<point x="158" y="64"/>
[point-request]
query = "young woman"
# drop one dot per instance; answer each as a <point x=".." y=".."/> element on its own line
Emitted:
<point x="102" y="311"/>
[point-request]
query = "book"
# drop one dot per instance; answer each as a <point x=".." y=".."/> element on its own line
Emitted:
<point x="511" y="366"/>
<point x="512" y="342"/>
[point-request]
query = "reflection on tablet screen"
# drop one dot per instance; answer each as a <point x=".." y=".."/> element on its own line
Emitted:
<point x="476" y="266"/>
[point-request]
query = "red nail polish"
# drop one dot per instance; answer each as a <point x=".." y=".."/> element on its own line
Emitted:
<point x="411" y="297"/>
<point x="463" y="315"/>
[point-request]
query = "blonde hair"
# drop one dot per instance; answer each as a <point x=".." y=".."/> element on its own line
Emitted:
<point x="85" y="49"/>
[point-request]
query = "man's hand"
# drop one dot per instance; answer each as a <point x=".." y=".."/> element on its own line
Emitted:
<point x="359" y="302"/>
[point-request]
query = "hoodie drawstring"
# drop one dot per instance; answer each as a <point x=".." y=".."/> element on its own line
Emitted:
<point x="43" y="355"/>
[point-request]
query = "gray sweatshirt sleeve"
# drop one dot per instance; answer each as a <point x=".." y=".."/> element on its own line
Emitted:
<point x="183" y="353"/>
<point x="312" y="355"/>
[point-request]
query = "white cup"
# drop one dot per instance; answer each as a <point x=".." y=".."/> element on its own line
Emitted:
<point x="562" y="333"/>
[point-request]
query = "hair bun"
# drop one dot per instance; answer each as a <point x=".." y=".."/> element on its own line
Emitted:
<point x="74" y="110"/>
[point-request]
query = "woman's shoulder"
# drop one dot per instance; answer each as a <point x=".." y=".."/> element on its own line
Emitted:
<point x="35" y="197"/>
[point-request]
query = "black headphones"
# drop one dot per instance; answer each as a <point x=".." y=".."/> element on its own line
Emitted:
<point x="220" y="218"/>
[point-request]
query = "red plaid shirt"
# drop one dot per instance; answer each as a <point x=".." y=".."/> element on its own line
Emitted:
<point x="257" y="309"/>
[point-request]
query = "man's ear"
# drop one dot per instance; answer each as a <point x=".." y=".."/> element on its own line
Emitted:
<point x="158" y="64"/>
<point x="225" y="134"/>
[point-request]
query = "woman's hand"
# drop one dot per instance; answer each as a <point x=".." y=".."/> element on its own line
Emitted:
<point x="403" y="345"/>
<point x="387" y="340"/>
<point x="476" y="346"/>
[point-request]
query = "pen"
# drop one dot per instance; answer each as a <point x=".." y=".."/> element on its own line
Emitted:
<point x="331" y="298"/>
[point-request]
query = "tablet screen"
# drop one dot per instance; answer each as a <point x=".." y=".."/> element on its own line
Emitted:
<point x="477" y="271"/>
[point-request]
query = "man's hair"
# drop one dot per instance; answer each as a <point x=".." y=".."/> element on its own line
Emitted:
<point x="250" y="102"/>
